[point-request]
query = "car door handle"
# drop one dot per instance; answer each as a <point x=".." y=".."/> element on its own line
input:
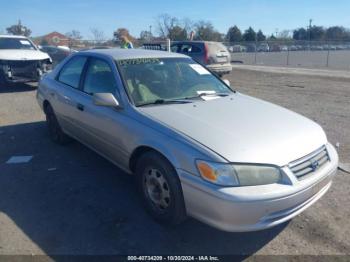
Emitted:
<point x="80" y="107"/>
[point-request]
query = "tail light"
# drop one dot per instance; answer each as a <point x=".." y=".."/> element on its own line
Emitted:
<point x="206" y="54"/>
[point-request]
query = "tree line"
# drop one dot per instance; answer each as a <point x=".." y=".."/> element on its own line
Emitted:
<point x="320" y="33"/>
<point x="167" y="26"/>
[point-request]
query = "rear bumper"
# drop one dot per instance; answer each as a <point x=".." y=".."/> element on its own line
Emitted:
<point x="220" y="68"/>
<point x="240" y="209"/>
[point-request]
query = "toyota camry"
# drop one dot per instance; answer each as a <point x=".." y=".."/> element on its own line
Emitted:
<point x="196" y="146"/>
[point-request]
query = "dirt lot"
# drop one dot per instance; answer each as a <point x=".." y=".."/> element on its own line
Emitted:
<point x="69" y="200"/>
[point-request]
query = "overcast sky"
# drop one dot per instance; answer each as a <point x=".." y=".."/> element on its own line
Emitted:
<point x="44" y="16"/>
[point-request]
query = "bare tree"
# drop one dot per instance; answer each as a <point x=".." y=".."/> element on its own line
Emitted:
<point x="74" y="34"/>
<point x="98" y="35"/>
<point x="146" y="35"/>
<point x="284" y="34"/>
<point x="165" y="23"/>
<point x="74" y="37"/>
<point x="204" y="30"/>
<point x="188" y="24"/>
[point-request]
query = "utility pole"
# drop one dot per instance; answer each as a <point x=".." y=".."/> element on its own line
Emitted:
<point x="310" y="22"/>
<point x="150" y="32"/>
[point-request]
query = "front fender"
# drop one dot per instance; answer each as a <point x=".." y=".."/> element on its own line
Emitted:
<point x="179" y="151"/>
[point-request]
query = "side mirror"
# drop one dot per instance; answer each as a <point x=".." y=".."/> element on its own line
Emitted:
<point x="105" y="99"/>
<point x="227" y="82"/>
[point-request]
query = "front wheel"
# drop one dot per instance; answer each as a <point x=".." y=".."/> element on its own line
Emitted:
<point x="160" y="188"/>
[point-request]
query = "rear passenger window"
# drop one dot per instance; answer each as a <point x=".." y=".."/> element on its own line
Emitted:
<point x="191" y="49"/>
<point x="99" y="78"/>
<point x="71" y="72"/>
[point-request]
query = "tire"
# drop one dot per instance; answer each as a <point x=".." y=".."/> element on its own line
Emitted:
<point x="2" y="79"/>
<point x="160" y="189"/>
<point x="55" y="130"/>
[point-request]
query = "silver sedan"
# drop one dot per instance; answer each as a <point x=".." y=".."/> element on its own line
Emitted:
<point x="196" y="146"/>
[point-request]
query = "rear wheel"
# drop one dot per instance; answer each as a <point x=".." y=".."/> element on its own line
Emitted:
<point x="55" y="130"/>
<point x="160" y="188"/>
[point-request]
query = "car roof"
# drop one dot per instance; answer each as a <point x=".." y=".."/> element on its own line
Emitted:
<point x="12" y="36"/>
<point x="119" y="54"/>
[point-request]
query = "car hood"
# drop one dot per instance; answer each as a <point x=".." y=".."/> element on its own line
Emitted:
<point x="243" y="129"/>
<point x="20" y="55"/>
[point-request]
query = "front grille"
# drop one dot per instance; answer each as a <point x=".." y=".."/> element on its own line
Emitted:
<point x="23" y="68"/>
<point x="307" y="165"/>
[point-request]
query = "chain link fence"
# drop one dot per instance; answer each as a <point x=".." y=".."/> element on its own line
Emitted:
<point x="308" y="54"/>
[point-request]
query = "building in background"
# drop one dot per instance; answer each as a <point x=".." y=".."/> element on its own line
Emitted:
<point x="54" y="39"/>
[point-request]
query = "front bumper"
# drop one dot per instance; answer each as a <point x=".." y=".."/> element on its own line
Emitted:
<point x="24" y="71"/>
<point x="238" y="209"/>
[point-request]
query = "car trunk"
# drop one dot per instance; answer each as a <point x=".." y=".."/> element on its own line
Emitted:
<point x="218" y="53"/>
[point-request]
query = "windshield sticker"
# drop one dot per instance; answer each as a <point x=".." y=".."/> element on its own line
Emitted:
<point x="199" y="69"/>
<point x="24" y="42"/>
<point x="138" y="61"/>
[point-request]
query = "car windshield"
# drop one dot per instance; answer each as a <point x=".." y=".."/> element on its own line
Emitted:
<point x="16" y="43"/>
<point x="159" y="80"/>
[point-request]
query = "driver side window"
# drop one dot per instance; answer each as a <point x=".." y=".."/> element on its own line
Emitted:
<point x="99" y="78"/>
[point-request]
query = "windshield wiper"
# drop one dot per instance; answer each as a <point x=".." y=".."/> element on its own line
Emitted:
<point x="208" y="94"/>
<point x="165" y="101"/>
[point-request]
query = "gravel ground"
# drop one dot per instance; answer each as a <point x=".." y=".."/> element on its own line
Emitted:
<point x="69" y="200"/>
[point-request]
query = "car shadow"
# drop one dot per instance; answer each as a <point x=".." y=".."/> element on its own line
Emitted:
<point x="18" y="87"/>
<point x="68" y="200"/>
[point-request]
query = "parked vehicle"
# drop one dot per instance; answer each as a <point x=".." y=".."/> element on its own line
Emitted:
<point x="275" y="48"/>
<point x="251" y="48"/>
<point x="293" y="48"/>
<point x="212" y="55"/>
<point x="278" y="48"/>
<point x="264" y="47"/>
<point x="56" y="53"/>
<point x="316" y="47"/>
<point x="161" y="46"/>
<point x="237" y="49"/>
<point x="300" y="47"/>
<point x="284" y="48"/>
<point x="341" y="47"/>
<point x="193" y="143"/>
<point x="21" y="60"/>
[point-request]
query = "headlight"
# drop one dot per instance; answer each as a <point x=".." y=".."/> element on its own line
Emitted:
<point x="217" y="173"/>
<point x="238" y="175"/>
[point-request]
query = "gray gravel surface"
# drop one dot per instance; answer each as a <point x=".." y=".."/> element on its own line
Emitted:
<point x="69" y="200"/>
